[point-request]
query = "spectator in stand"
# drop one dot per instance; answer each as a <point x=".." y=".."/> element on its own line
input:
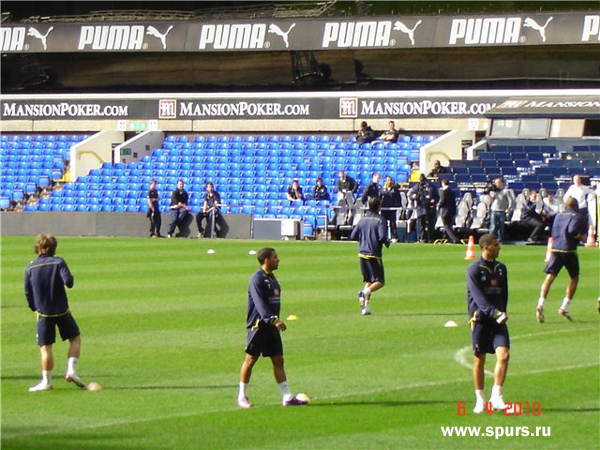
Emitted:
<point x="320" y="191"/>
<point x="437" y="169"/>
<point x="345" y="185"/>
<point x="391" y="135"/>
<point x="371" y="190"/>
<point x="390" y="198"/>
<point x="552" y="205"/>
<point x="447" y="208"/>
<point x="365" y="134"/>
<point x="294" y="193"/>
<point x="580" y="193"/>
<point x="179" y="208"/>
<point x="531" y="217"/>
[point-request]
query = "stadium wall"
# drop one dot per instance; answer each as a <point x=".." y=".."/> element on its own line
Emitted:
<point x="91" y="153"/>
<point x="105" y="224"/>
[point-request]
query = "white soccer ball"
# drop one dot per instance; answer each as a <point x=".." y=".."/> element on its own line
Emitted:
<point x="94" y="386"/>
<point x="210" y="251"/>
<point x="252" y="252"/>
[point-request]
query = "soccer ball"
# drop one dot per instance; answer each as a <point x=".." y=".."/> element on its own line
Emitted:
<point x="302" y="396"/>
<point x="93" y="386"/>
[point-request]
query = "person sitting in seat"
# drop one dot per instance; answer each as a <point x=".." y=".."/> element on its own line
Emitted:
<point x="320" y="191"/>
<point x="365" y="134"/>
<point x="390" y="136"/>
<point x="294" y="193"/>
<point x="531" y="217"/>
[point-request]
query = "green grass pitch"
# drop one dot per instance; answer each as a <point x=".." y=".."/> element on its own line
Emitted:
<point x="163" y="332"/>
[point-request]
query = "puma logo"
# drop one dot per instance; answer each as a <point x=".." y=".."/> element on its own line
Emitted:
<point x="157" y="34"/>
<point x="399" y="26"/>
<point x="42" y="37"/>
<point x="279" y="32"/>
<point x="530" y="23"/>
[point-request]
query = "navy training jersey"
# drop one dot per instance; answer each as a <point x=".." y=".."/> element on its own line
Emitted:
<point x="45" y="281"/>
<point x="487" y="288"/>
<point x="264" y="300"/>
<point x="567" y="228"/>
<point x="212" y="199"/>
<point x="371" y="234"/>
<point x="153" y="195"/>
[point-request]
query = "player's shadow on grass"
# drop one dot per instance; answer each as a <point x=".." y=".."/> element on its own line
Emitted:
<point x="427" y="314"/>
<point x="385" y="403"/>
<point x="21" y="438"/>
<point x="574" y="410"/>
<point x="158" y="388"/>
<point x="20" y="377"/>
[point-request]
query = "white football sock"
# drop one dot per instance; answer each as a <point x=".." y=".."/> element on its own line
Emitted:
<point x="565" y="303"/>
<point x="496" y="391"/>
<point x="541" y="301"/>
<point x="479" y="395"/>
<point x="47" y="376"/>
<point x="243" y="388"/>
<point x="367" y="292"/>
<point x="72" y="365"/>
<point x="285" y="390"/>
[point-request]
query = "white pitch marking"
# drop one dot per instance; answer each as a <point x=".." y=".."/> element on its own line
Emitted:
<point x="461" y="355"/>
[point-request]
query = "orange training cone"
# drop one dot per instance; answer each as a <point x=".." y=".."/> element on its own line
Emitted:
<point x="471" y="249"/>
<point x="591" y="239"/>
<point x="549" y="249"/>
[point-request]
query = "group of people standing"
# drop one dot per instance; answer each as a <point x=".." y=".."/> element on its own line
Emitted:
<point x="179" y="210"/>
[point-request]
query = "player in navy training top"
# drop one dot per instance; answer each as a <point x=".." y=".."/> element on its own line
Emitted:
<point x="371" y="234"/>
<point x="568" y="229"/>
<point x="487" y="298"/>
<point x="45" y="281"/>
<point x="264" y="325"/>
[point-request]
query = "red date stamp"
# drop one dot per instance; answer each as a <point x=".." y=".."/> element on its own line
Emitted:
<point x="513" y="409"/>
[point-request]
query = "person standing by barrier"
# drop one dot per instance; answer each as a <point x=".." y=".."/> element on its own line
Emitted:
<point x="154" y="210"/>
<point x="447" y="209"/>
<point x="502" y="202"/>
<point x="390" y="199"/>
<point x="371" y="190"/>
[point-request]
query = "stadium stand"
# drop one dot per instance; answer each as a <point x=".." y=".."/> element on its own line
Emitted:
<point x="252" y="174"/>
<point x="30" y="163"/>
